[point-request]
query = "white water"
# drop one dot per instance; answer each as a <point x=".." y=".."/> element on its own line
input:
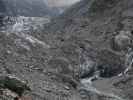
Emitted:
<point x="87" y="83"/>
<point x="128" y="62"/>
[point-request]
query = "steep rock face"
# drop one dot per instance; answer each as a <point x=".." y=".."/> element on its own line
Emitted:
<point x="92" y="25"/>
<point x="51" y="62"/>
<point x="89" y="14"/>
<point x="31" y="60"/>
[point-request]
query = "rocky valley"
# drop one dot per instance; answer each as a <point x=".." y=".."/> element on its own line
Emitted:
<point x="85" y="53"/>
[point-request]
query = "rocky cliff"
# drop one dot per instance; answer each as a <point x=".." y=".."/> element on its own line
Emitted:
<point x="103" y="32"/>
<point x="84" y="54"/>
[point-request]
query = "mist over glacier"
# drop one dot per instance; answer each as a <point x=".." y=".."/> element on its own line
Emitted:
<point x="33" y="7"/>
<point x="60" y="3"/>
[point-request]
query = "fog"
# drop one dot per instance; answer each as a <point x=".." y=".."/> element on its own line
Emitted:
<point x="60" y="3"/>
<point x="34" y="7"/>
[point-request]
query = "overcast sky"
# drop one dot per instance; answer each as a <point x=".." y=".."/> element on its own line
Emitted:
<point x="60" y="3"/>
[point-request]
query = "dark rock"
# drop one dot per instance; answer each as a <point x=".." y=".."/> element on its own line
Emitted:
<point x="1" y="20"/>
<point x="110" y="63"/>
<point x="13" y="84"/>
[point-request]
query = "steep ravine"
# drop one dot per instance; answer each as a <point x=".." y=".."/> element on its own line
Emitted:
<point x="84" y="54"/>
<point x="103" y="31"/>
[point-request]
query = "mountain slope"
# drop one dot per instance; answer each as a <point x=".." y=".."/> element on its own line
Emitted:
<point x="93" y="26"/>
<point x="93" y="20"/>
<point x="91" y="11"/>
<point x="84" y="54"/>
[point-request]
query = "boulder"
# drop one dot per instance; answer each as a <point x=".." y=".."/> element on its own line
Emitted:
<point x="122" y="41"/>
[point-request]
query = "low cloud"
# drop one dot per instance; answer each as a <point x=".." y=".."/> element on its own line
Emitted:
<point x="60" y="3"/>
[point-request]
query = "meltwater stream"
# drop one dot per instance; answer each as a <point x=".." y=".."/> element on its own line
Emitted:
<point x="90" y="88"/>
<point x="87" y="84"/>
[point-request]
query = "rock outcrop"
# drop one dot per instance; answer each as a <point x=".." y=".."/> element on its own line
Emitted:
<point x="82" y="55"/>
<point x="102" y="30"/>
